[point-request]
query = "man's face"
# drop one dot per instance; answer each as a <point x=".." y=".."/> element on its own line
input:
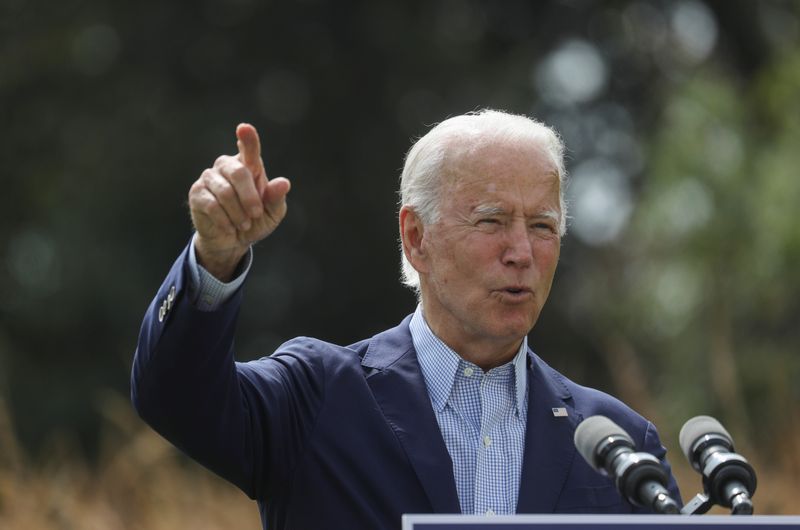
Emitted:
<point x="488" y="263"/>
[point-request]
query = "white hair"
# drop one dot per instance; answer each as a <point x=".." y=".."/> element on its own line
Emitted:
<point x="420" y="182"/>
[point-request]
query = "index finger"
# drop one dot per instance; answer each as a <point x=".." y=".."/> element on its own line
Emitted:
<point x="249" y="147"/>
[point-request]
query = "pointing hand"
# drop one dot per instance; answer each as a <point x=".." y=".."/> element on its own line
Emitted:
<point x="233" y="205"/>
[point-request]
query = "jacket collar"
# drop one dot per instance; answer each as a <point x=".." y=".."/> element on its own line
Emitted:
<point x="399" y="389"/>
<point x="549" y="448"/>
<point x="396" y="380"/>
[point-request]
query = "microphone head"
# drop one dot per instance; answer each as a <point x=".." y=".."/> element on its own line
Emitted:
<point x="700" y="427"/>
<point x="592" y="433"/>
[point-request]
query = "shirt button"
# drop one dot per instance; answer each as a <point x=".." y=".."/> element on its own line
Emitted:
<point x="487" y="441"/>
<point x="468" y="371"/>
<point x="489" y="512"/>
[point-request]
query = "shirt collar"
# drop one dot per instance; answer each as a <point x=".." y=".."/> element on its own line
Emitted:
<point x="439" y="363"/>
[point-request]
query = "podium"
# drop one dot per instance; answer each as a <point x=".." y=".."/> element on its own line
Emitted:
<point x="598" y="522"/>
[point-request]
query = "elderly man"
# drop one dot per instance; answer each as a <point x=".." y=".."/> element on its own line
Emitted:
<point x="448" y="412"/>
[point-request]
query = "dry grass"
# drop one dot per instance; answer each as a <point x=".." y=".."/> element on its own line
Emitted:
<point x="141" y="482"/>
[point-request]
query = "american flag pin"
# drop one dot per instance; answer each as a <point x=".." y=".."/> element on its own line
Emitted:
<point x="560" y="412"/>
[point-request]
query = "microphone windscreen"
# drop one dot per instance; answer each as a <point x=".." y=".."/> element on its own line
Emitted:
<point x="591" y="432"/>
<point x="698" y="427"/>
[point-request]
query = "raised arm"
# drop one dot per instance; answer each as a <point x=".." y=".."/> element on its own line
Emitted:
<point x="244" y="421"/>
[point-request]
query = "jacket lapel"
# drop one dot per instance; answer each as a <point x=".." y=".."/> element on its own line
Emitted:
<point x="549" y="448"/>
<point x="399" y="388"/>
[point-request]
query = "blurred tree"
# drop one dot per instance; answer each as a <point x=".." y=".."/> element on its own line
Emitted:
<point x="694" y="306"/>
<point x="677" y="278"/>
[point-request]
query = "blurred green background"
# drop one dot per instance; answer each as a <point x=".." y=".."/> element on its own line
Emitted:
<point x="678" y="288"/>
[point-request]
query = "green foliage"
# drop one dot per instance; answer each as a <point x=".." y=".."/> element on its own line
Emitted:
<point x="109" y="112"/>
<point x="709" y="289"/>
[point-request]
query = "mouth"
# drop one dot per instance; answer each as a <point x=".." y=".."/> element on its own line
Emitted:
<point x="516" y="292"/>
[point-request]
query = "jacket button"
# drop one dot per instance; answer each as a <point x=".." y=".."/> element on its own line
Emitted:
<point x="170" y="298"/>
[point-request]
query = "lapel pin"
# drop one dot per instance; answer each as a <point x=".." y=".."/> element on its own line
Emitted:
<point x="560" y="412"/>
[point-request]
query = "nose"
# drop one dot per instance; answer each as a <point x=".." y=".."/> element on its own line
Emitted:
<point x="518" y="251"/>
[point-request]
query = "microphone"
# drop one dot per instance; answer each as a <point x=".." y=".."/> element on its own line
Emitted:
<point x="639" y="477"/>
<point x="728" y="479"/>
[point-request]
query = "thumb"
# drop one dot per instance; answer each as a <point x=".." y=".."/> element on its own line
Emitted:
<point x="275" y="191"/>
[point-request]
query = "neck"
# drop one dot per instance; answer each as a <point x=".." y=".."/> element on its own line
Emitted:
<point x="487" y="361"/>
<point x="487" y="353"/>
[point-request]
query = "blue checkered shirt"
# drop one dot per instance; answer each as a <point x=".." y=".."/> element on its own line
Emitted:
<point x="482" y="416"/>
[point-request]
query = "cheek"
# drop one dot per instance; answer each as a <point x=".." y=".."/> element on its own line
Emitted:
<point x="547" y="251"/>
<point x="466" y="249"/>
<point x="546" y="260"/>
<point x="458" y="269"/>
<point x="474" y="259"/>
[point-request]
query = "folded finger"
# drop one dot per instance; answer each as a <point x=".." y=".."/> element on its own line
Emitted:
<point x="241" y="178"/>
<point x="207" y="214"/>
<point x="227" y="197"/>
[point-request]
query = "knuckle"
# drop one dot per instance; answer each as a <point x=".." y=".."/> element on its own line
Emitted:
<point x="213" y="209"/>
<point x="222" y="160"/>
<point x="198" y="185"/>
<point x="226" y="193"/>
<point x="197" y="195"/>
<point x="206" y="177"/>
<point x="240" y="174"/>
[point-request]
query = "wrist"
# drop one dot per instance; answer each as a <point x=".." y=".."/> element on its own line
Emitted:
<point x="222" y="264"/>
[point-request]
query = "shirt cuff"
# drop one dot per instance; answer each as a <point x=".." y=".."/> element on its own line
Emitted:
<point x="208" y="293"/>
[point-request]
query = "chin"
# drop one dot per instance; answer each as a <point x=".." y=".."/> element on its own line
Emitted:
<point x="511" y="330"/>
<point x="517" y="318"/>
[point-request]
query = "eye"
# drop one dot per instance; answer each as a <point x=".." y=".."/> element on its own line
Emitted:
<point x="544" y="226"/>
<point x="489" y="225"/>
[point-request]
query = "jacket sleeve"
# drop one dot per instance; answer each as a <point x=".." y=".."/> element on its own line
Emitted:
<point x="246" y="422"/>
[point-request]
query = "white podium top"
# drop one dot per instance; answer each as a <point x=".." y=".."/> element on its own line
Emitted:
<point x="595" y="522"/>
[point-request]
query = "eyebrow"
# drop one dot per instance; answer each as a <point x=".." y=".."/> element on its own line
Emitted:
<point x="490" y="210"/>
<point x="550" y="214"/>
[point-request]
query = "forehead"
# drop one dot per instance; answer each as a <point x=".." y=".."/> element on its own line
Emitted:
<point x="497" y="166"/>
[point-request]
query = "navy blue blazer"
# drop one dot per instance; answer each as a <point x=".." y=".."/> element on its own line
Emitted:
<point x="328" y="436"/>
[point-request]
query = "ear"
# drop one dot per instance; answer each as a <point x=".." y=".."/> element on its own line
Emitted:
<point x="412" y="236"/>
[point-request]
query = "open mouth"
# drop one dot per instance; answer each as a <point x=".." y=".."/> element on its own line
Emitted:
<point x="517" y="292"/>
